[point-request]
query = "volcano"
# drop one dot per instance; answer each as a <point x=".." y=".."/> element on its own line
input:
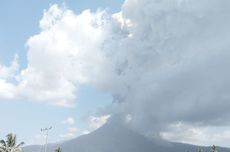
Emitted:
<point x="119" y="138"/>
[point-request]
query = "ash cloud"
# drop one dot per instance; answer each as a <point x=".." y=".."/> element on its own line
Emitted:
<point x="172" y="64"/>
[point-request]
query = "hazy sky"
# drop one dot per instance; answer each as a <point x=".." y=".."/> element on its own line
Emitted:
<point x="159" y="66"/>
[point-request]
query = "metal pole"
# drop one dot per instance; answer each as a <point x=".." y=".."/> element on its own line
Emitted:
<point x="46" y="130"/>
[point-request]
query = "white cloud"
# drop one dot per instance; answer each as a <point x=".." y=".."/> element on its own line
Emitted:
<point x="185" y="133"/>
<point x="61" y="57"/>
<point x="71" y="133"/>
<point x="7" y="72"/>
<point x="72" y="130"/>
<point x="7" y="90"/>
<point x="37" y="140"/>
<point x="69" y="121"/>
<point x="128" y="118"/>
<point x="198" y="135"/>
<point x="95" y="123"/>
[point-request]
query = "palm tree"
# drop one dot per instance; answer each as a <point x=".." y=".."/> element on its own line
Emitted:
<point x="213" y="148"/>
<point x="9" y="145"/>
<point x="58" y="149"/>
<point x="200" y="150"/>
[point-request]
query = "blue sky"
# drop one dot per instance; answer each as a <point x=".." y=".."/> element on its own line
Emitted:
<point x="19" y="21"/>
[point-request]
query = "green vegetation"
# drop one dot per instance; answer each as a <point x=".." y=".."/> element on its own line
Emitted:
<point x="58" y="149"/>
<point x="9" y="145"/>
<point x="213" y="148"/>
<point x="200" y="150"/>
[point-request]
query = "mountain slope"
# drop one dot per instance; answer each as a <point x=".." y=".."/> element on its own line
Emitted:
<point x="117" y="138"/>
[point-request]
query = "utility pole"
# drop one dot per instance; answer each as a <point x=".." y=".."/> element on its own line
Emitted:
<point x="46" y="132"/>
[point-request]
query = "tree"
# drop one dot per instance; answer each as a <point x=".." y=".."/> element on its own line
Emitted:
<point x="58" y="149"/>
<point x="9" y="145"/>
<point x="213" y="148"/>
<point x="200" y="150"/>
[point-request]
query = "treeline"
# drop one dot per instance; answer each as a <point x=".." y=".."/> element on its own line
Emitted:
<point x="213" y="149"/>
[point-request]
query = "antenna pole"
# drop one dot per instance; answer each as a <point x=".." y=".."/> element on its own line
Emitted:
<point x="46" y="132"/>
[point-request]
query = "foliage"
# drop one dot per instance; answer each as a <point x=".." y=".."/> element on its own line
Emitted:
<point x="58" y="149"/>
<point x="213" y="148"/>
<point x="9" y="145"/>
